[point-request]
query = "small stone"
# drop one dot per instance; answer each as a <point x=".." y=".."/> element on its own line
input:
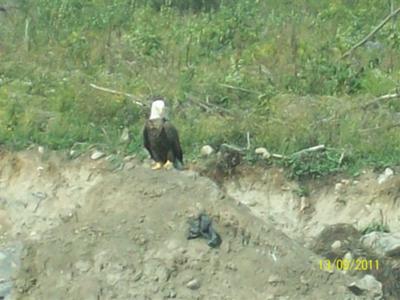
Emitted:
<point x="193" y="284"/>
<point x="338" y="187"/>
<point x="367" y="285"/>
<point x="348" y="256"/>
<point x="129" y="157"/>
<point x="2" y="256"/>
<point x="387" y="174"/>
<point x="263" y="152"/>
<point x="129" y="165"/>
<point x="97" y="155"/>
<point x="231" y="266"/>
<point x="252" y="203"/>
<point x="304" y="203"/>
<point x="303" y="280"/>
<point x="125" y="137"/>
<point x="206" y="150"/>
<point x="138" y="276"/>
<point x="82" y="266"/>
<point x="170" y="293"/>
<point x="336" y="245"/>
<point x="41" y="149"/>
<point x="274" y="279"/>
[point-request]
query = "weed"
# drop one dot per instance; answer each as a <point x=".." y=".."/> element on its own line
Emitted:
<point x="302" y="191"/>
<point x="313" y="164"/>
<point x="375" y="226"/>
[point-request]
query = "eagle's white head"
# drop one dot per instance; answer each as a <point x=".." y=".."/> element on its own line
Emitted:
<point x="157" y="110"/>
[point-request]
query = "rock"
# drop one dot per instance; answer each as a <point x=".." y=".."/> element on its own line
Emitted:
<point x="206" y="150"/>
<point x="367" y="286"/>
<point x="39" y="195"/>
<point x="304" y="204"/>
<point x="41" y="149"/>
<point x="129" y="157"/>
<point x="82" y="266"/>
<point x="338" y="187"/>
<point x="303" y="280"/>
<point x="129" y="165"/>
<point x="138" y="276"/>
<point x="125" y="137"/>
<point x="170" y="293"/>
<point x="336" y="245"/>
<point x="97" y="155"/>
<point x="273" y="279"/>
<point x="348" y="256"/>
<point x="193" y="284"/>
<point x="263" y="152"/>
<point x="2" y="256"/>
<point x="383" y="243"/>
<point x="387" y="174"/>
<point x="231" y="266"/>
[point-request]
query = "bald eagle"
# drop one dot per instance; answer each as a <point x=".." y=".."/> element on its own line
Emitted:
<point x="161" y="139"/>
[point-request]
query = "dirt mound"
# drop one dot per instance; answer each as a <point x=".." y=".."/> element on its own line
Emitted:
<point x="90" y="233"/>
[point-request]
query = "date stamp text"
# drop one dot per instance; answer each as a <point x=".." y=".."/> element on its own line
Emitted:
<point x="343" y="264"/>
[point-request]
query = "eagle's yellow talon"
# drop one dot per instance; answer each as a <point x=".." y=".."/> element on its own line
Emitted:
<point x="157" y="166"/>
<point x="168" y="165"/>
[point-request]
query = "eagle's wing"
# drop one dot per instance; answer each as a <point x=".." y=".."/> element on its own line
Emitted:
<point x="173" y="138"/>
<point x="146" y="140"/>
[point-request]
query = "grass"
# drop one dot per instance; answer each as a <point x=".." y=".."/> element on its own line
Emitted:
<point x="276" y="70"/>
<point x="375" y="227"/>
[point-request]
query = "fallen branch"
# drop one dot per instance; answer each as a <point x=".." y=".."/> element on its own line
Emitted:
<point x="208" y="107"/>
<point x="311" y="149"/>
<point x="135" y="101"/>
<point x="279" y="156"/>
<point x="369" y="35"/>
<point x="232" y="148"/>
<point x="381" y="98"/>
<point x="239" y="88"/>
<point x="380" y="127"/>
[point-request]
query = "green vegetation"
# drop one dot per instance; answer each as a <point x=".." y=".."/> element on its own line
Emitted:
<point x="375" y="226"/>
<point x="271" y="68"/>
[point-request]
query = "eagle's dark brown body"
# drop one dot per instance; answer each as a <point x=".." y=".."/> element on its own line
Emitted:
<point x="161" y="139"/>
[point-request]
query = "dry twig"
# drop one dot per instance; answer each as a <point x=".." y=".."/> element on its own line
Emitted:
<point x="380" y="127"/>
<point x="134" y="99"/>
<point x="369" y="35"/>
<point x="311" y="149"/>
<point x="381" y="98"/>
<point x="239" y="88"/>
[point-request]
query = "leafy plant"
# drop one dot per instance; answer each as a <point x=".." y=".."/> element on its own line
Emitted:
<point x="313" y="164"/>
<point x="375" y="226"/>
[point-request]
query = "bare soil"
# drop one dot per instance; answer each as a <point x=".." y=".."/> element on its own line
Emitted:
<point x="76" y="229"/>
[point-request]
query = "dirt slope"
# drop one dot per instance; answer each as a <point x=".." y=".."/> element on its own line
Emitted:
<point x="90" y="233"/>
